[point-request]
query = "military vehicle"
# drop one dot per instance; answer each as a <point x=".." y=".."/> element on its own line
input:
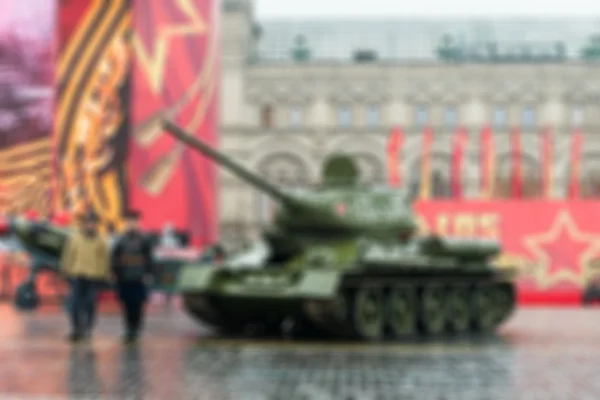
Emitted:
<point x="346" y="260"/>
<point x="43" y="243"/>
<point x="591" y="292"/>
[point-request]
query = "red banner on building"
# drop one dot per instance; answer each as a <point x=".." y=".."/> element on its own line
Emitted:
<point x="487" y="156"/>
<point x="458" y="152"/>
<point x="516" y="156"/>
<point x="425" y="181"/>
<point x="574" y="188"/>
<point x="555" y="244"/>
<point x="547" y="156"/>
<point x="176" y="77"/>
<point x="394" y="156"/>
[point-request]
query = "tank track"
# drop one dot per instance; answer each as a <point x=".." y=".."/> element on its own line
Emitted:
<point x="380" y="309"/>
<point x="375" y="311"/>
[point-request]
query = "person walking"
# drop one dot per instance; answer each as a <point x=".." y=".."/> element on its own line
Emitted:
<point x="133" y="270"/>
<point x="85" y="261"/>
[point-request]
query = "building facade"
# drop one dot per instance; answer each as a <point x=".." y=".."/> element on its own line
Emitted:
<point x="287" y="104"/>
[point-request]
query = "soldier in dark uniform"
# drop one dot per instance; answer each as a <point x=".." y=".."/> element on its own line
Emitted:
<point x="133" y="271"/>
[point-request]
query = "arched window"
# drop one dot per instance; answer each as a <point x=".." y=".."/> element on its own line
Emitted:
<point x="590" y="176"/>
<point x="532" y="182"/>
<point x="439" y="179"/>
<point x="266" y="116"/>
<point x="370" y="167"/>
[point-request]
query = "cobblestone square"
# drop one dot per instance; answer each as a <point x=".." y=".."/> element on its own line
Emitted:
<point x="540" y="354"/>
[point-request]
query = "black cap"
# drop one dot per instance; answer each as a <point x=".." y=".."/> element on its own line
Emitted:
<point x="132" y="214"/>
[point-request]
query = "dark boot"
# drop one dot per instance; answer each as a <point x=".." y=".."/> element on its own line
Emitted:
<point x="74" y="337"/>
<point x="129" y="320"/>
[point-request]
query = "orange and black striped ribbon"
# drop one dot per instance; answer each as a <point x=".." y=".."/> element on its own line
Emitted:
<point x="425" y="192"/>
<point x="79" y="67"/>
<point x="25" y="172"/>
<point x="394" y="156"/>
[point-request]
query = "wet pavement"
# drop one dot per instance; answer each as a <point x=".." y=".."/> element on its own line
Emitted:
<point x="540" y="354"/>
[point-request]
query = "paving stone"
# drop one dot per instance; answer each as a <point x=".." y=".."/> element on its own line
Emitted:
<point x="540" y="354"/>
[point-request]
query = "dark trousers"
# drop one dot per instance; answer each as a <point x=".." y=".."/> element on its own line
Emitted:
<point x="84" y="295"/>
<point x="133" y="296"/>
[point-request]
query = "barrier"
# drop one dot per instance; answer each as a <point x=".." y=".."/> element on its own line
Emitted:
<point x="556" y="244"/>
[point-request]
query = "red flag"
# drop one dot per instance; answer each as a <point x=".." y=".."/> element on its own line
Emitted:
<point x="517" y="168"/>
<point x="461" y="139"/>
<point x="547" y="162"/>
<point x="426" y="163"/>
<point x="575" y="164"/>
<point x="488" y="162"/>
<point x="394" y="152"/>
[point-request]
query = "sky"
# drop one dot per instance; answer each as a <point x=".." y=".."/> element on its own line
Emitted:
<point x="266" y="9"/>
<point x="33" y="18"/>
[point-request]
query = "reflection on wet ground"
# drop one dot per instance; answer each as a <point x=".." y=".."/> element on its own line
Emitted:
<point x="539" y="354"/>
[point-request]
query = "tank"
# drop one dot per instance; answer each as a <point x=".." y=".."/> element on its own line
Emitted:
<point x="346" y="261"/>
<point x="43" y="243"/>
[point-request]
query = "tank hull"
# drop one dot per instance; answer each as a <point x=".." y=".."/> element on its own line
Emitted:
<point x="373" y="306"/>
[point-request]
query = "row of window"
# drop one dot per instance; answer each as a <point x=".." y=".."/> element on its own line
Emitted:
<point x="421" y="117"/>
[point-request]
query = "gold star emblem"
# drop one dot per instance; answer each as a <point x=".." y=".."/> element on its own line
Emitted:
<point x="154" y="64"/>
<point x="572" y="265"/>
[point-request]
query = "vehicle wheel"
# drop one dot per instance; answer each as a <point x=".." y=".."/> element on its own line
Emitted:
<point x="503" y="297"/>
<point x="201" y="309"/>
<point x="26" y="297"/>
<point x="491" y="304"/>
<point x="432" y="309"/>
<point x="458" y="309"/>
<point x="368" y="313"/>
<point x="482" y="308"/>
<point x="401" y="313"/>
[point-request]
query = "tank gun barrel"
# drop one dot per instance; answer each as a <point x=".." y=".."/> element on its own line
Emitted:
<point x="228" y="163"/>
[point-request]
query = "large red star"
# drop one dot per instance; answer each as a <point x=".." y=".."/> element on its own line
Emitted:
<point x="564" y="252"/>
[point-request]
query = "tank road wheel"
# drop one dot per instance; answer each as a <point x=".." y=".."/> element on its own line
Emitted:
<point x="458" y="309"/>
<point x="368" y="313"/>
<point x="27" y="298"/>
<point x="400" y="311"/>
<point x="491" y="305"/>
<point x="503" y="297"/>
<point x="432" y="310"/>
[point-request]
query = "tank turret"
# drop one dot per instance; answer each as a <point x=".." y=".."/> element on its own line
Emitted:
<point x="339" y="207"/>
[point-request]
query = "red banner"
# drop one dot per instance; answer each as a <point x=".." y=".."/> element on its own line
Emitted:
<point x="426" y="144"/>
<point x="394" y="152"/>
<point x="555" y="244"/>
<point x="460" y="144"/>
<point x="176" y="62"/>
<point x="488" y="161"/>
<point x="516" y="156"/>
<point x="548" y="162"/>
<point x="575" y="165"/>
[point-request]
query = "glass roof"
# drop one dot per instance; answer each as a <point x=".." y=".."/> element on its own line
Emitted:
<point x="417" y="39"/>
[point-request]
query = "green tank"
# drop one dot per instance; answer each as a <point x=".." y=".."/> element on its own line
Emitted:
<point x="346" y="260"/>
